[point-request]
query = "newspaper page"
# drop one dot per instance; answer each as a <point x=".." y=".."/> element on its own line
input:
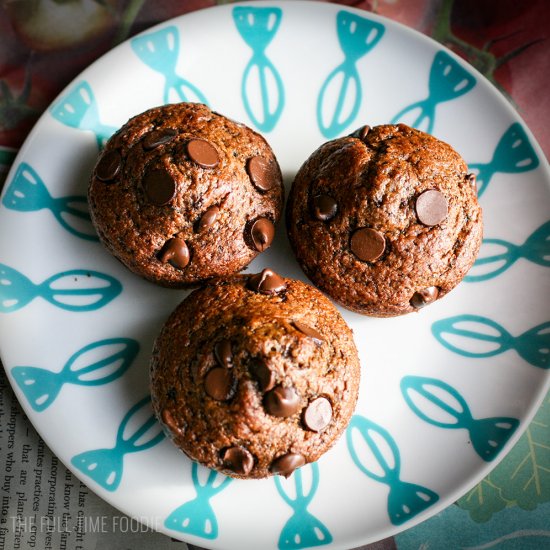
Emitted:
<point x="44" y="506"/>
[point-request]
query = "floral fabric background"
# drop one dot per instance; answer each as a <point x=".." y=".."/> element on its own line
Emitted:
<point x="44" y="44"/>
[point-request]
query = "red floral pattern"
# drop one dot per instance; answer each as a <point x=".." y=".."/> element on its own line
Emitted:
<point x="506" y="40"/>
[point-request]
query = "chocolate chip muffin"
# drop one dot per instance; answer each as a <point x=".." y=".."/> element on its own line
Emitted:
<point x="181" y="194"/>
<point x="386" y="220"/>
<point x="255" y="375"/>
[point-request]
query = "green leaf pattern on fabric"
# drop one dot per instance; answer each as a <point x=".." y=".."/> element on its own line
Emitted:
<point x="523" y="477"/>
<point x="483" y="501"/>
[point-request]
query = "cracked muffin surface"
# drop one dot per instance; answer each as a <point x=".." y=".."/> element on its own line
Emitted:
<point x="386" y="220"/>
<point x="181" y="194"/>
<point x="255" y="375"/>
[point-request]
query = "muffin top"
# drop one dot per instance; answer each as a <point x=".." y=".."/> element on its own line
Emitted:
<point x="181" y="194"/>
<point x="386" y="220"/>
<point x="255" y="375"/>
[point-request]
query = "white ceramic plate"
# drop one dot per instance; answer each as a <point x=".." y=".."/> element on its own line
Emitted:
<point x="444" y="394"/>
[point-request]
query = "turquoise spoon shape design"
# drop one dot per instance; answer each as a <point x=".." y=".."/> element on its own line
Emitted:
<point x="197" y="517"/>
<point x="302" y="530"/>
<point x="28" y="193"/>
<point x="533" y="345"/>
<point x="78" y="109"/>
<point x="42" y="386"/>
<point x="535" y="249"/>
<point x="105" y="466"/>
<point x="514" y="154"/>
<point x="405" y="500"/>
<point x="448" y="80"/>
<point x="488" y="435"/>
<point x="159" y="50"/>
<point x="357" y="36"/>
<point x="258" y="26"/>
<point x="75" y="290"/>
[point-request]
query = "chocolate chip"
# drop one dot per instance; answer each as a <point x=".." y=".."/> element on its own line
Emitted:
<point x="238" y="460"/>
<point x="324" y="207"/>
<point x="263" y="173"/>
<point x="176" y="252"/>
<point x="159" y="186"/>
<point x="203" y="153"/>
<point x="208" y="218"/>
<point x="266" y="282"/>
<point x="286" y="464"/>
<point x="364" y="131"/>
<point x="309" y="331"/>
<point x="424" y="297"/>
<point x="318" y="414"/>
<point x="262" y="232"/>
<point x="224" y="353"/>
<point x="169" y="421"/>
<point x="281" y="401"/>
<point x="220" y="384"/>
<point x="108" y="166"/>
<point x="431" y="207"/>
<point x="361" y="133"/>
<point x="262" y="374"/>
<point x="472" y="179"/>
<point x="158" y="137"/>
<point x="368" y="244"/>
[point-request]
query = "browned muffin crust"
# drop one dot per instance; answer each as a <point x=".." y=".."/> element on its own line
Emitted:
<point x="181" y="194"/>
<point x="385" y="221"/>
<point x="255" y="375"/>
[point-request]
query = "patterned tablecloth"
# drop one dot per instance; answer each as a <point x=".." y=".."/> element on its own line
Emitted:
<point x="44" y="44"/>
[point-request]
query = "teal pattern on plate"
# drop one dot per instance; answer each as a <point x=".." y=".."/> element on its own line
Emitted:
<point x="78" y="109"/>
<point x="405" y="500"/>
<point x="159" y="50"/>
<point x="536" y="249"/>
<point x="112" y="356"/>
<point x="482" y="337"/>
<point x="105" y="466"/>
<point x="488" y="435"/>
<point x="197" y="517"/>
<point x="28" y="193"/>
<point x="514" y="154"/>
<point x="258" y="26"/>
<point x="448" y="80"/>
<point x="76" y="290"/>
<point x="302" y="530"/>
<point x="357" y="36"/>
